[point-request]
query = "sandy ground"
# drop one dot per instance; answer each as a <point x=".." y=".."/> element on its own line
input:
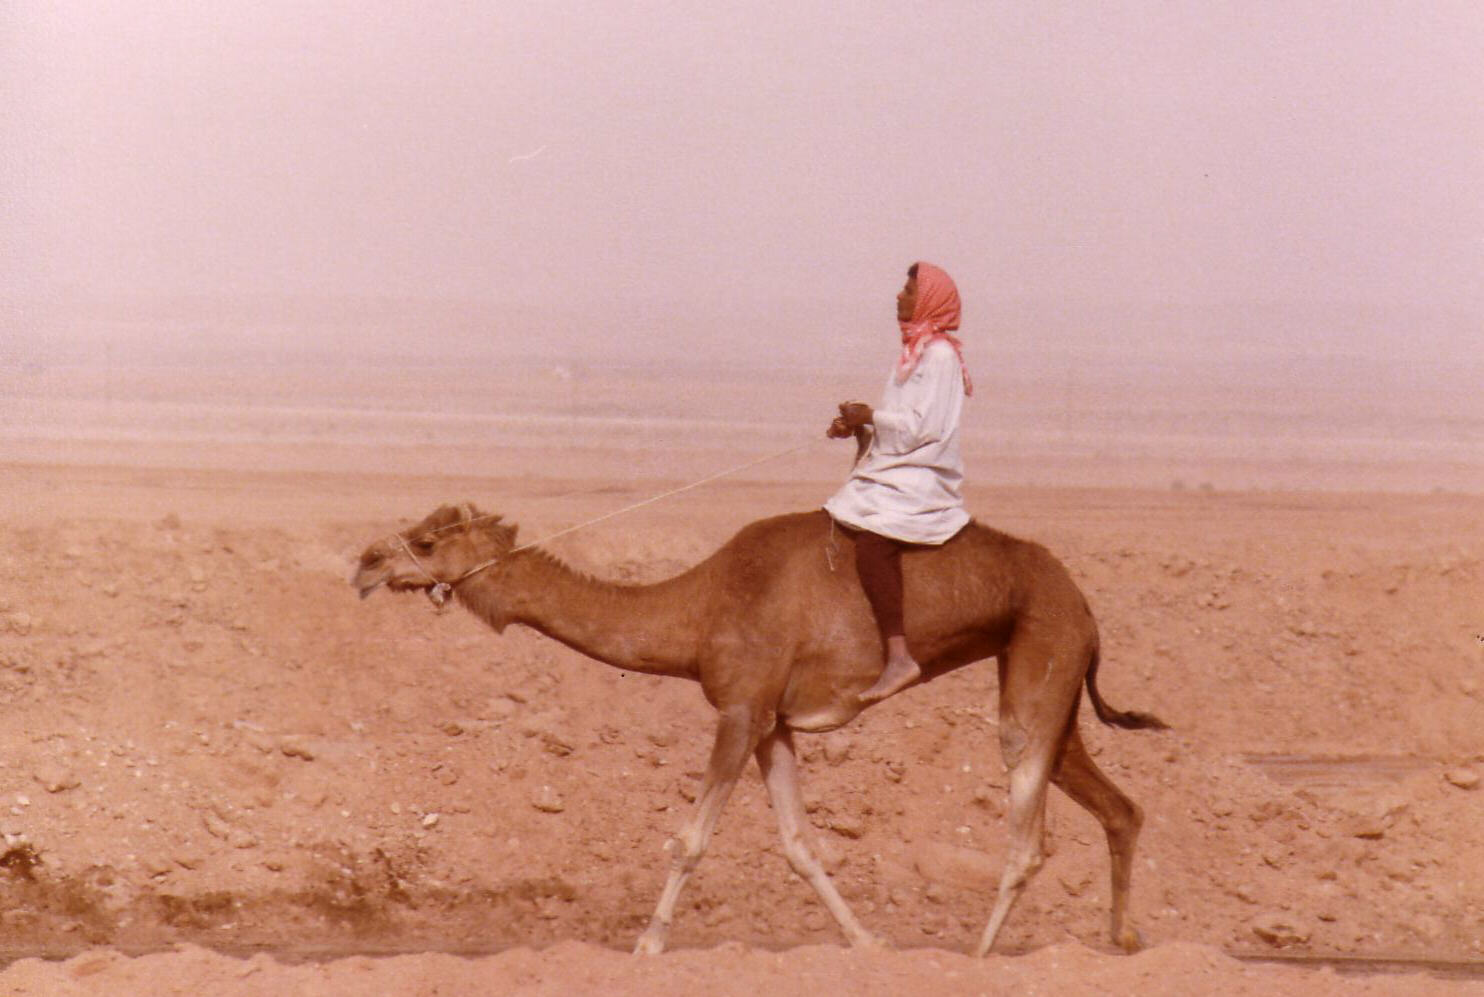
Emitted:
<point x="227" y="775"/>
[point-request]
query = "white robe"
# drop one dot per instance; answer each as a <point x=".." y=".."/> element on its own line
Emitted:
<point x="906" y="486"/>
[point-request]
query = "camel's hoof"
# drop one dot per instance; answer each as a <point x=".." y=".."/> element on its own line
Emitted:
<point x="1128" y="939"/>
<point x="867" y="942"/>
<point x="649" y="944"/>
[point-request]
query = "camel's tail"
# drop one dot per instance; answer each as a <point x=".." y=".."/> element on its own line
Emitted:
<point x="1131" y="720"/>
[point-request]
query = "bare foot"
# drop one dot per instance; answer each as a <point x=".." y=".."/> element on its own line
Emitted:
<point x="898" y="675"/>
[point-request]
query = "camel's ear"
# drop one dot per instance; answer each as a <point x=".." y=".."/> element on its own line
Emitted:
<point x="469" y="514"/>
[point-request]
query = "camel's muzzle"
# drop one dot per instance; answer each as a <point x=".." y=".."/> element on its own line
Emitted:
<point x="365" y="581"/>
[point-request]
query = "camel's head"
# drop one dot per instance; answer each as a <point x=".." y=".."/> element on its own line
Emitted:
<point x="444" y="547"/>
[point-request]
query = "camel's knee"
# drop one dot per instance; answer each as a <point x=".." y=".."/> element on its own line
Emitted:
<point x="1021" y="864"/>
<point x="1130" y="820"/>
<point x="802" y="863"/>
<point x="800" y="858"/>
<point x="685" y="850"/>
<point x="1013" y="741"/>
<point x="1122" y="824"/>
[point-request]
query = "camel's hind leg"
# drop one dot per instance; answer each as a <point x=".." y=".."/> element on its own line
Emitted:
<point x="1027" y="825"/>
<point x="1040" y="680"/>
<point x="775" y="756"/>
<point x="1121" y="818"/>
<point x="736" y="736"/>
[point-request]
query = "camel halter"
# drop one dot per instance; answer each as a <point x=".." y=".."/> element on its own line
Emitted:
<point x="441" y="590"/>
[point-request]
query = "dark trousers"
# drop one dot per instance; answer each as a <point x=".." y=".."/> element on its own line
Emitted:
<point x="878" y="561"/>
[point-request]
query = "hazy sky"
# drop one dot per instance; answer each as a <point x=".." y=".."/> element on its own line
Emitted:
<point x="763" y="170"/>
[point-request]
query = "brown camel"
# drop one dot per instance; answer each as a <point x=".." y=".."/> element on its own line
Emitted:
<point x="775" y="628"/>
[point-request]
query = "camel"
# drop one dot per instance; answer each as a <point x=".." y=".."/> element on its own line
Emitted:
<point x="777" y="631"/>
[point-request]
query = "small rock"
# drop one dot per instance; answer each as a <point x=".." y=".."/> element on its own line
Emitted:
<point x="957" y="866"/>
<point x="1463" y="778"/>
<point x="847" y="825"/>
<point x="85" y="966"/>
<point x="55" y="779"/>
<point x="1223" y="807"/>
<point x="1367" y="827"/>
<point x="261" y="740"/>
<point x="1074" y="885"/>
<point x="170" y="522"/>
<point x="990" y="798"/>
<point x="296" y="747"/>
<point x="1429" y="926"/>
<point x="548" y="800"/>
<point x="837" y="747"/>
<point x="501" y="709"/>
<point x="19" y="623"/>
<point x="430" y="820"/>
<point x="216" y="827"/>
<point x="155" y="868"/>
<point x="545" y="726"/>
<point x="1279" y="929"/>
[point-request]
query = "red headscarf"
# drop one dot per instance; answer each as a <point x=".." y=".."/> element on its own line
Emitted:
<point x="936" y="313"/>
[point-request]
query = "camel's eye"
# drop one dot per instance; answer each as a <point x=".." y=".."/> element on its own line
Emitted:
<point x="424" y="545"/>
<point x="370" y="559"/>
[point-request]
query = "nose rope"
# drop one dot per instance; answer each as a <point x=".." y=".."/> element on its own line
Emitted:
<point x="441" y="590"/>
<point x="439" y="593"/>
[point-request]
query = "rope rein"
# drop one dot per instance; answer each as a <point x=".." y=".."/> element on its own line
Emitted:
<point x="441" y="590"/>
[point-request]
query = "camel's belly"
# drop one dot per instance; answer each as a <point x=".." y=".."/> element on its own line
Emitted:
<point x="825" y="708"/>
<point x="820" y="720"/>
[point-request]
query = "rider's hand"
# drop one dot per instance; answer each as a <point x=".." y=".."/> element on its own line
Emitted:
<point x="854" y="414"/>
<point x="838" y="430"/>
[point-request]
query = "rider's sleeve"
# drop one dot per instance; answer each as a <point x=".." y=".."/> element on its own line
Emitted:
<point x="925" y="407"/>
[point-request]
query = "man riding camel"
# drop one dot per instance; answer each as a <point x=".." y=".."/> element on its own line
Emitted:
<point x="904" y="488"/>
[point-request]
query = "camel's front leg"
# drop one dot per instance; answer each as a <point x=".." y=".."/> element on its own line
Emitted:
<point x="736" y="736"/>
<point x="775" y="756"/>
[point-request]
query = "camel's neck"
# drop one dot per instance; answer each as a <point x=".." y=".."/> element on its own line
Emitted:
<point x="641" y="628"/>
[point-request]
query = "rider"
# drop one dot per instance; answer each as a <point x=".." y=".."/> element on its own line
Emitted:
<point x="904" y="490"/>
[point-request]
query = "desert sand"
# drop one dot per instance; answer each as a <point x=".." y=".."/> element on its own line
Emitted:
<point x="227" y="775"/>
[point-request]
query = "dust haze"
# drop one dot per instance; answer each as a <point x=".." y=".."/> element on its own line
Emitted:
<point x="1178" y="231"/>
